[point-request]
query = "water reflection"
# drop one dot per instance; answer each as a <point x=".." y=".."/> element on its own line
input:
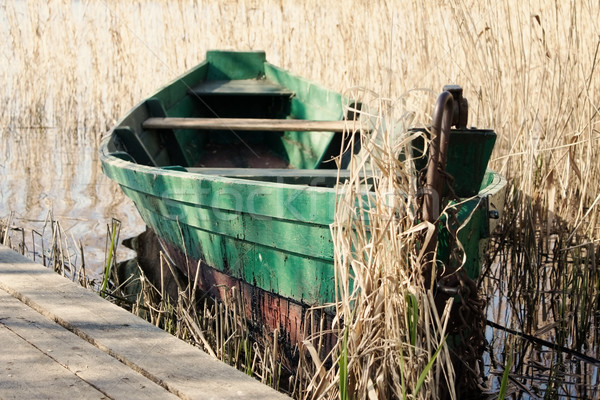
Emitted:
<point x="44" y="170"/>
<point x="545" y="359"/>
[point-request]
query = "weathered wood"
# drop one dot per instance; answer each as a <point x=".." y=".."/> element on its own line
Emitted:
<point x="28" y="373"/>
<point x="176" y="366"/>
<point x="41" y="359"/>
<point x="272" y="172"/>
<point x="252" y="87"/>
<point x="248" y="124"/>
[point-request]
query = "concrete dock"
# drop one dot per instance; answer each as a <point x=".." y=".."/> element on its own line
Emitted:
<point x="59" y="340"/>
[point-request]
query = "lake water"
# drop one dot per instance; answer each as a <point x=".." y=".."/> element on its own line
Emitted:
<point x="44" y="170"/>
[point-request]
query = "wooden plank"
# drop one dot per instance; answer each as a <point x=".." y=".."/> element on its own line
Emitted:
<point x="78" y="360"/>
<point x="180" y="368"/>
<point x="253" y="87"/>
<point x="28" y="373"/>
<point x="272" y="172"/>
<point x="325" y="178"/>
<point x="248" y="124"/>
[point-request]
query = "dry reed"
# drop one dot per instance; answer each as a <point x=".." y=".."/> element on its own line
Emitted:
<point x="527" y="68"/>
<point x="53" y="247"/>
<point x="391" y="334"/>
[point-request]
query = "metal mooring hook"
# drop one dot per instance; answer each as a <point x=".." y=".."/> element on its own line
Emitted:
<point x="450" y="109"/>
<point x="438" y="153"/>
<point x="461" y="106"/>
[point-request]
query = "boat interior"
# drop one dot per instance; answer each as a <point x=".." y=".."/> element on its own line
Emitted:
<point x="261" y="151"/>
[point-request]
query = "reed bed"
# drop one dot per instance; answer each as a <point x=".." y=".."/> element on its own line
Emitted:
<point x="529" y="70"/>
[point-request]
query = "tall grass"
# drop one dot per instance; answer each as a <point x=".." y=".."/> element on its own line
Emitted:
<point x="529" y="70"/>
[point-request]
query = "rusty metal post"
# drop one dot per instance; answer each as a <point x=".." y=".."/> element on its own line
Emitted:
<point x="461" y="106"/>
<point x="434" y="185"/>
<point x="438" y="154"/>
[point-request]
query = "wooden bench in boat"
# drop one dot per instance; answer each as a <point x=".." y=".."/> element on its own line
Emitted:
<point x="248" y="87"/>
<point x="245" y="87"/>
<point x="275" y="172"/>
<point x="313" y="177"/>
<point x="132" y="141"/>
<point x="250" y="124"/>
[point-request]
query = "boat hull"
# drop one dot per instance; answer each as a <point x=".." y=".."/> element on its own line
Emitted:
<point x="269" y="240"/>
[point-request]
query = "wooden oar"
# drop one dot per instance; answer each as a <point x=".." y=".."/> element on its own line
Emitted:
<point x="249" y="124"/>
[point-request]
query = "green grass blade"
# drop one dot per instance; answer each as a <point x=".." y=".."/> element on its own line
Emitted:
<point x="428" y="367"/>
<point x="109" y="260"/>
<point x="343" y="366"/>
<point x="402" y="384"/>
<point x="504" y="383"/>
<point x="247" y="358"/>
<point x="413" y="317"/>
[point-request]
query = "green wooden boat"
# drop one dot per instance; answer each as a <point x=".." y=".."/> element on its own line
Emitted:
<point x="228" y="165"/>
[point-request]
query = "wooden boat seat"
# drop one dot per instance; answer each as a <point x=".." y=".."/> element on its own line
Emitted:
<point x="283" y="172"/>
<point x="312" y="177"/>
<point x="249" y="124"/>
<point x="247" y="87"/>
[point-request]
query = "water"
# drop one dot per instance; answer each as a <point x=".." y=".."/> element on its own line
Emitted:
<point x="44" y="170"/>
<point x="546" y="362"/>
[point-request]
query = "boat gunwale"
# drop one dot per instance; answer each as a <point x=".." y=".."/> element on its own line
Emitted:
<point x="106" y="156"/>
